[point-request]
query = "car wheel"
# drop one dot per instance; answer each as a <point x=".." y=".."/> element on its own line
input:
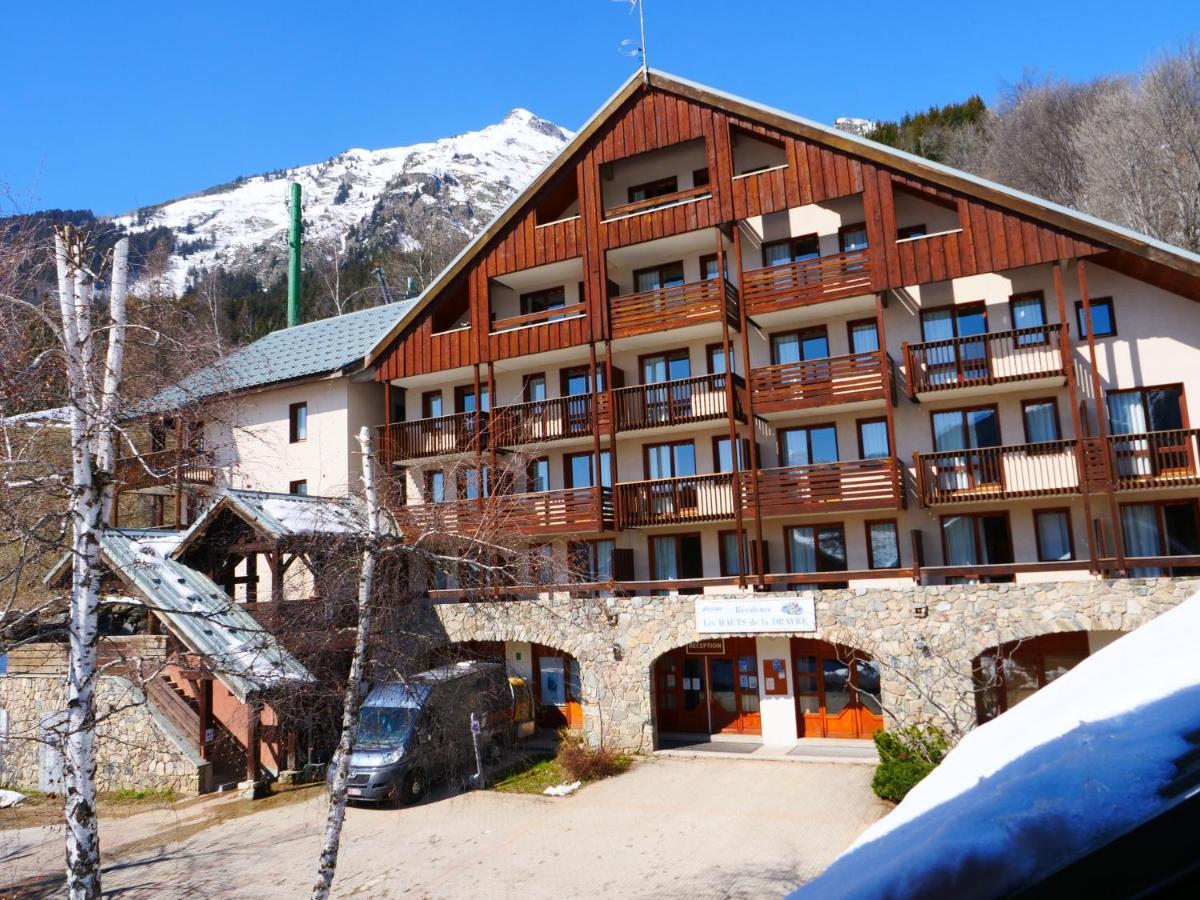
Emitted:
<point x="414" y="787"/>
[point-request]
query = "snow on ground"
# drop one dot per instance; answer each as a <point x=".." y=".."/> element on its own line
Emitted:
<point x="1074" y="766"/>
<point x="246" y="215"/>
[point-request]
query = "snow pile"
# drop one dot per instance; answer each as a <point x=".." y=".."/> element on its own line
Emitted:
<point x="1074" y="766"/>
<point x="11" y="798"/>
<point x="479" y="171"/>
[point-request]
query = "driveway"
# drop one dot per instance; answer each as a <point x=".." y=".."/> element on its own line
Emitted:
<point x="668" y="828"/>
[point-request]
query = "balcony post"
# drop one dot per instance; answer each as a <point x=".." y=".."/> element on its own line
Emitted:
<point x="887" y="374"/>
<point x="178" y="470"/>
<point x="735" y="495"/>
<point x="1101" y="417"/>
<point x="1076" y="418"/>
<point x="612" y="432"/>
<point x="910" y="383"/>
<point x="478" y="441"/>
<point x="750" y="420"/>
<point x="492" y="476"/>
<point x="598" y="491"/>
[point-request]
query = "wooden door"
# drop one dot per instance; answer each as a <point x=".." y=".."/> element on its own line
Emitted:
<point x="836" y="692"/>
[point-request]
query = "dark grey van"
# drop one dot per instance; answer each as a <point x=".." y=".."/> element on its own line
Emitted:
<point x="413" y="734"/>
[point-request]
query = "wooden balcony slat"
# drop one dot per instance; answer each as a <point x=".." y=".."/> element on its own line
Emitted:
<point x="683" y="401"/>
<point x="998" y="357"/>
<point x="1155" y="459"/>
<point x="671" y="501"/>
<point x="435" y="436"/>
<point x="653" y="203"/>
<point x="559" y="314"/>
<point x="1016" y="471"/>
<point x="677" y="306"/>
<point x="539" y="421"/>
<point x="850" y="484"/>
<point x="568" y="511"/>
<point x="809" y="281"/>
<point x="165" y="467"/>
<point x="813" y="383"/>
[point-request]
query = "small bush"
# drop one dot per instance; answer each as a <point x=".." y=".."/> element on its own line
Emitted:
<point x="906" y="755"/>
<point x="582" y="762"/>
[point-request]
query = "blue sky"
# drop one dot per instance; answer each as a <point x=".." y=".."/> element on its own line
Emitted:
<point x="114" y="106"/>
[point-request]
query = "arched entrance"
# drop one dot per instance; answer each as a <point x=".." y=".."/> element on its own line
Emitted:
<point x="557" y="687"/>
<point x="708" y="687"/>
<point x="836" y="689"/>
<point x="1015" y="671"/>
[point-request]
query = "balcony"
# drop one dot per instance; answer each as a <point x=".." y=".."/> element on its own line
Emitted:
<point x="683" y="402"/>
<point x="673" y="307"/>
<point x="976" y="363"/>
<point x="806" y="282"/>
<point x="569" y="511"/>
<point x="1017" y="471"/>
<point x="542" y="421"/>
<point x="1156" y="459"/>
<point x="674" y="198"/>
<point x="159" y="468"/>
<point x="858" y="484"/>
<point x="542" y="317"/>
<point x="684" y="500"/>
<point x="818" y="383"/>
<point x="436" y="436"/>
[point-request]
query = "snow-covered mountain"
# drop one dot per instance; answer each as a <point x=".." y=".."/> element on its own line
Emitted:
<point x="368" y="198"/>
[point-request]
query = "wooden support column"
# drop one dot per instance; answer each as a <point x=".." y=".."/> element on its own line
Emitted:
<point x="612" y="431"/>
<point x="1101" y="417"/>
<point x="730" y="401"/>
<point x="477" y="430"/>
<point x="275" y="557"/>
<point x="253" y="730"/>
<point x="1076" y="417"/>
<point x="204" y="691"/>
<point x="179" y="471"/>
<point x="491" y="443"/>
<point x="888" y="387"/>
<point x="759" y="568"/>
<point x="594" y="401"/>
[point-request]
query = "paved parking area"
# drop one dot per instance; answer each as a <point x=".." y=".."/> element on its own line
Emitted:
<point x="669" y="828"/>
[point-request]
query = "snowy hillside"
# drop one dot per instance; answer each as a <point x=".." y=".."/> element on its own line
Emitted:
<point x="369" y="197"/>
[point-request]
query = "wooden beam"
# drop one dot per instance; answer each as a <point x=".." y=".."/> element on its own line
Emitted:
<point x="758" y="559"/>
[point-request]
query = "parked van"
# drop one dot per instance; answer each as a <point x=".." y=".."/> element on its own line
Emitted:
<point x="413" y="734"/>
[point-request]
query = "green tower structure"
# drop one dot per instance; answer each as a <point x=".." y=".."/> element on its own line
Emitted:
<point x="294" y="241"/>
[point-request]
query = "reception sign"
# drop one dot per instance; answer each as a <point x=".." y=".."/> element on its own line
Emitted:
<point x="782" y="614"/>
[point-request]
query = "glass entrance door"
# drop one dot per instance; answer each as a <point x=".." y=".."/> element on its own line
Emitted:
<point x="699" y="691"/>
<point x="837" y="692"/>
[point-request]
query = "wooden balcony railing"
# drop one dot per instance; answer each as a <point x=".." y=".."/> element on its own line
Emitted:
<point x="701" y="398"/>
<point x="672" y="501"/>
<point x="672" y="307"/>
<point x="542" y="420"/>
<point x="820" y="382"/>
<point x="852" y="484"/>
<point x="435" y="436"/>
<point x="184" y="465"/>
<point x="808" y="281"/>
<point x="574" y="311"/>
<point x="568" y="511"/>
<point x="652" y="203"/>
<point x="1155" y="459"/>
<point x="1046" y="469"/>
<point x="986" y="359"/>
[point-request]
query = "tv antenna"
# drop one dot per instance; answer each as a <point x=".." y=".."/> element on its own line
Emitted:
<point x="629" y="47"/>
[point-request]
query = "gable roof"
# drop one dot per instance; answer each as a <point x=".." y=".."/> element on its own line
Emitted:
<point x="327" y="346"/>
<point x="1120" y="238"/>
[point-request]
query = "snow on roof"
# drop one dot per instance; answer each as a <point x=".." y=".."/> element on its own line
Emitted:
<point x="244" y="657"/>
<point x="59" y="416"/>
<point x="287" y="515"/>
<point x="314" y="348"/>
<point x="1076" y="765"/>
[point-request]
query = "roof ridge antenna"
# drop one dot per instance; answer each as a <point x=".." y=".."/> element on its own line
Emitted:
<point x="627" y="46"/>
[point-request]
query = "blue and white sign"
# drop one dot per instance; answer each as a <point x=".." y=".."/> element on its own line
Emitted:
<point x="779" y="614"/>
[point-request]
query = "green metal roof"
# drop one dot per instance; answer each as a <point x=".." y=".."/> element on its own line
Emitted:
<point x="314" y="348"/>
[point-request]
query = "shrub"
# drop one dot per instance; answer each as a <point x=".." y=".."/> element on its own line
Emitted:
<point x="906" y="755"/>
<point x="582" y="762"/>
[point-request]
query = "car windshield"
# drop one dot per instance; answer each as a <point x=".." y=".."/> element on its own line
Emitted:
<point x="384" y="725"/>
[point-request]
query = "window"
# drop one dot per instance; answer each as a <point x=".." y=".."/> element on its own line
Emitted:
<point x="716" y="358"/>
<point x="873" y="439"/>
<point x="883" y="545"/>
<point x="807" y="446"/>
<point x="779" y="253"/>
<point x="1102" y="317"/>
<point x="651" y="189"/>
<point x="542" y="301"/>
<point x="592" y="561"/>
<point x="709" y="266"/>
<point x="577" y="380"/>
<point x="731" y="563"/>
<point x="469" y="482"/>
<point x="1029" y="311"/>
<point x="723" y="459"/>
<point x="815" y="548"/>
<point x="435" y="487"/>
<point x="911" y="231"/>
<point x="1160" y="529"/>
<point x="297" y="423"/>
<point x="299" y="488"/>
<point x="670" y="365"/>
<point x="1053" y="530"/>
<point x="1153" y="417"/>
<point x="670" y="460"/>
<point x="799" y="346"/>
<point x="953" y="360"/>
<point x="431" y="404"/>
<point x="700" y="177"/>
<point x="533" y="388"/>
<point x="464" y="398"/>
<point x="657" y="277"/>
<point x="864" y="336"/>
<point x="578" y="470"/>
<point x="676" y="556"/>
<point x="966" y="429"/>
<point x="982" y="539"/>
<point x="537" y="475"/>
<point x="1041" y="420"/>
<point x="853" y="237"/>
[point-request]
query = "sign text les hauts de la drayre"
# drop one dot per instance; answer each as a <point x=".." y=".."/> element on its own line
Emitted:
<point x="782" y="614"/>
